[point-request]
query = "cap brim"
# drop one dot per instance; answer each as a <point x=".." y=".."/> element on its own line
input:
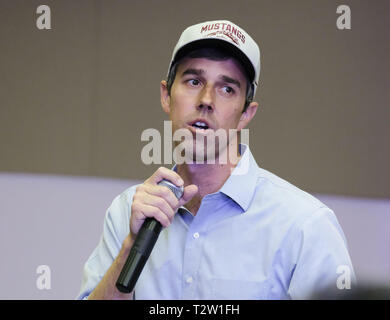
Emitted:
<point x="219" y="44"/>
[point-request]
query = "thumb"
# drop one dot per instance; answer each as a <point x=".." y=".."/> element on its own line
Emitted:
<point x="189" y="192"/>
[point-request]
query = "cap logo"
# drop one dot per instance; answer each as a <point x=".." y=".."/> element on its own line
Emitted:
<point x="224" y="29"/>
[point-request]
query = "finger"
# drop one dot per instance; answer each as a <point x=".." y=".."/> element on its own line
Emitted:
<point x="146" y="211"/>
<point x="189" y="192"/>
<point x="161" y="203"/>
<point x="163" y="192"/>
<point x="164" y="173"/>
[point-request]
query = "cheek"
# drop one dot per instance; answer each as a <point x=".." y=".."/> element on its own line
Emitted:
<point x="181" y="104"/>
<point x="233" y="118"/>
<point x="184" y="103"/>
<point x="177" y="114"/>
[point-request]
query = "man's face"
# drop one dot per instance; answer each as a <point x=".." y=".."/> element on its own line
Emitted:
<point x="206" y="96"/>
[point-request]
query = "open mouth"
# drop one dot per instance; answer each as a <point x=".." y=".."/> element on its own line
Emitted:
<point x="200" y="125"/>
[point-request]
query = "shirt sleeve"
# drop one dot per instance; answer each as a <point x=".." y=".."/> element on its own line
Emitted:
<point x="322" y="259"/>
<point x="115" y="229"/>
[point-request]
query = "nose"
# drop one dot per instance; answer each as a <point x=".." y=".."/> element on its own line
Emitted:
<point x="206" y="99"/>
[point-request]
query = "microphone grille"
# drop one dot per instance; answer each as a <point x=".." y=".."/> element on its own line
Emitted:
<point x="178" y="191"/>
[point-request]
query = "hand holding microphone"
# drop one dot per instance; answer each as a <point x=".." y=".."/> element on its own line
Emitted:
<point x="154" y="206"/>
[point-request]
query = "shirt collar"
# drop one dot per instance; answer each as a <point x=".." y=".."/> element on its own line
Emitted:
<point x="240" y="186"/>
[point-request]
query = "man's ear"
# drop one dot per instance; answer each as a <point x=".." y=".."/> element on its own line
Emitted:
<point x="247" y="115"/>
<point x="164" y="96"/>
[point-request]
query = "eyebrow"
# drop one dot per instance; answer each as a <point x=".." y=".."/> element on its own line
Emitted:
<point x="199" y="72"/>
<point x="231" y="80"/>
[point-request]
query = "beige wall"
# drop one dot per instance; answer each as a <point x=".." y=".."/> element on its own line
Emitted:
<point x="74" y="100"/>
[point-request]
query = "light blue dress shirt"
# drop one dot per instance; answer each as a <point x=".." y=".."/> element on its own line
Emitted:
<point x="258" y="237"/>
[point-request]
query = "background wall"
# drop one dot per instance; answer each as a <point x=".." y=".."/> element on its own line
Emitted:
<point x="75" y="99"/>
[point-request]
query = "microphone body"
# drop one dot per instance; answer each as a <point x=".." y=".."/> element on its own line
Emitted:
<point x="142" y="247"/>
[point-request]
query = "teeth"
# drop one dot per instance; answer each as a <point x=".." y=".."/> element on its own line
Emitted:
<point x="200" y="124"/>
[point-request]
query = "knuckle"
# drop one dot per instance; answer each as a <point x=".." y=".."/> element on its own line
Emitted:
<point x="175" y="202"/>
<point x="140" y="189"/>
<point x="160" y="203"/>
<point x="170" y="216"/>
<point x="161" y="170"/>
<point x="165" y="221"/>
<point x="134" y="206"/>
<point x="155" y="211"/>
<point x="168" y="195"/>
<point x="164" y="191"/>
<point x="138" y="214"/>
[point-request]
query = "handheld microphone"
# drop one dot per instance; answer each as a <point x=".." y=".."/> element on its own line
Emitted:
<point x="142" y="247"/>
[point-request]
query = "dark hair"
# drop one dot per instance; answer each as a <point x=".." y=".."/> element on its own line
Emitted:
<point x="212" y="53"/>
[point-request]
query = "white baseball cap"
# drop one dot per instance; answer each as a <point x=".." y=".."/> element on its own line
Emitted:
<point x="221" y="33"/>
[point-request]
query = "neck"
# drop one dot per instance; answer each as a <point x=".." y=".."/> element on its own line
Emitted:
<point x="209" y="178"/>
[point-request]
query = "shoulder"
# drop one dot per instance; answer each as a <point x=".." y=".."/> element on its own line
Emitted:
<point x="299" y="222"/>
<point x="286" y="202"/>
<point x="122" y="201"/>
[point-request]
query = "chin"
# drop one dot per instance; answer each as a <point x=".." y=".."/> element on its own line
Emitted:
<point x="206" y="154"/>
<point x="199" y="151"/>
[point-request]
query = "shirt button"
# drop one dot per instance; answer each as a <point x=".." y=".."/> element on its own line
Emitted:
<point x="189" y="280"/>
<point x="196" y="235"/>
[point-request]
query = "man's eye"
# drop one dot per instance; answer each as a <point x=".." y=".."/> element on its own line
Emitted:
<point x="228" y="89"/>
<point x="194" y="82"/>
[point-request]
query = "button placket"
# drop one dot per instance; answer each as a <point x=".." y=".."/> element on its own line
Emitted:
<point x="193" y="250"/>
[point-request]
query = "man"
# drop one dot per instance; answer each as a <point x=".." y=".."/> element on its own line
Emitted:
<point x="234" y="234"/>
